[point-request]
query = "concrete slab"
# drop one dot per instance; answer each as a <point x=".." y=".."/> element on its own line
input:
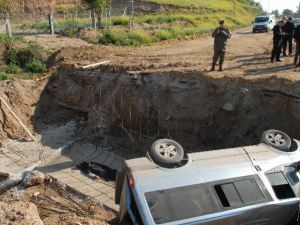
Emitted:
<point x="63" y="168"/>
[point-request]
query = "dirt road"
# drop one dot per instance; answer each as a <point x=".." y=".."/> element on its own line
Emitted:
<point x="248" y="56"/>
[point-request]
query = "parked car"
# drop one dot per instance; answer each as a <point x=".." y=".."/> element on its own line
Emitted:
<point x="252" y="185"/>
<point x="264" y="23"/>
<point x="296" y="21"/>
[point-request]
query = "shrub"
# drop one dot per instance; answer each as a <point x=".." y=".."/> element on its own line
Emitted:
<point x="31" y="56"/>
<point x="162" y="35"/>
<point x="139" y="38"/>
<point x="36" y="66"/>
<point x="13" y="69"/>
<point x="3" y="76"/>
<point x="116" y="37"/>
<point x="124" y="21"/>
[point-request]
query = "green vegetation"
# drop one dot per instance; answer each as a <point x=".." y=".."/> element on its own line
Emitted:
<point x="18" y="58"/>
<point x="99" y="7"/>
<point x="185" y="18"/>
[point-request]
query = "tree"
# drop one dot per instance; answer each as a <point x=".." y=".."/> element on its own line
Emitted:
<point x="275" y="12"/>
<point x="287" y="12"/>
<point x="98" y="6"/>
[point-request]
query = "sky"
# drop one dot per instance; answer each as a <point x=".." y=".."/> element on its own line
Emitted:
<point x="270" y="5"/>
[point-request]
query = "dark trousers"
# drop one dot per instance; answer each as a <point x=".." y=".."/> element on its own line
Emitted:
<point x="297" y="54"/>
<point x="277" y="44"/>
<point x="287" y="41"/>
<point x="218" y="55"/>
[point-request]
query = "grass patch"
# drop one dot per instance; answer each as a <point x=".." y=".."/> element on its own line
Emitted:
<point x="13" y="69"/>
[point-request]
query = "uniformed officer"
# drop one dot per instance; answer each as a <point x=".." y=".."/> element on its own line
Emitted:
<point x="277" y="40"/>
<point x="221" y="35"/>
<point x="288" y="39"/>
<point x="297" y="40"/>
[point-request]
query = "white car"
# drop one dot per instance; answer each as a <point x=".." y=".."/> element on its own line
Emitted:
<point x="264" y="23"/>
<point x="253" y="185"/>
<point x="296" y="21"/>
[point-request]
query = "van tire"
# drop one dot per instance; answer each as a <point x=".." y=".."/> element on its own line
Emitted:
<point x="277" y="139"/>
<point x="166" y="153"/>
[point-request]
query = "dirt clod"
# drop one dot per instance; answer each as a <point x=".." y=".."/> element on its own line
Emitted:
<point x="33" y="178"/>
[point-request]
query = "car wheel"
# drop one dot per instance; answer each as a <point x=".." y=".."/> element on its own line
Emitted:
<point x="277" y="139"/>
<point x="166" y="152"/>
<point x="253" y="31"/>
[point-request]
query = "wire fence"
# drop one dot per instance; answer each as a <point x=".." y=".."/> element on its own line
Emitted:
<point x="68" y="20"/>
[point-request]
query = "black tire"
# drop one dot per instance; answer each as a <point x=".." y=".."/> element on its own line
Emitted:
<point x="8" y="184"/>
<point x="166" y="153"/>
<point x="277" y="139"/>
<point x="253" y="31"/>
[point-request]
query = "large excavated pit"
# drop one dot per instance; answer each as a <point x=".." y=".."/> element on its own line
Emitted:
<point x="198" y="111"/>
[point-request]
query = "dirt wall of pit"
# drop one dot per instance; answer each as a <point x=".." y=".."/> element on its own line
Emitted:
<point x="187" y="106"/>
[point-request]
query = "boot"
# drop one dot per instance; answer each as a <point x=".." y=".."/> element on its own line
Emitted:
<point x="221" y="67"/>
<point x="213" y="67"/>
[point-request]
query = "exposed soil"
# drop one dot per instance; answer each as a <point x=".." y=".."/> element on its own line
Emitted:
<point x="22" y="96"/>
<point x="167" y="77"/>
<point x="55" y="205"/>
<point x="166" y="89"/>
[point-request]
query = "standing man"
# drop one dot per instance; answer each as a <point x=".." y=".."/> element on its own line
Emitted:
<point x="221" y="35"/>
<point x="288" y="39"/>
<point x="277" y="41"/>
<point x="297" y="40"/>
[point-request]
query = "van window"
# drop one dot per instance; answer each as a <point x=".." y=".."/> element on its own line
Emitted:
<point x="280" y="185"/>
<point x="239" y="193"/>
<point x="181" y="203"/>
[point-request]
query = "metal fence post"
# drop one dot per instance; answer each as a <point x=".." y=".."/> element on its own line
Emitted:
<point x="51" y="22"/>
<point x="7" y="25"/>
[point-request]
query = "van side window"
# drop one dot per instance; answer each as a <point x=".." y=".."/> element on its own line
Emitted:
<point x="239" y="193"/>
<point x="280" y="185"/>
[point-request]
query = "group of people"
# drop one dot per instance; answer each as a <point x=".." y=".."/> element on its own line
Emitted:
<point x="283" y="34"/>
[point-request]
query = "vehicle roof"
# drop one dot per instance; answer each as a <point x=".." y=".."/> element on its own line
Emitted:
<point x="210" y="166"/>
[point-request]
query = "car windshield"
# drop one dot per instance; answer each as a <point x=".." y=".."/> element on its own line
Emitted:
<point x="261" y="19"/>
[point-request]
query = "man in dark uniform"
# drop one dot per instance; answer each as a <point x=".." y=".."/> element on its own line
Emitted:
<point x="297" y="40"/>
<point x="277" y="41"/>
<point x="221" y="35"/>
<point x="288" y="39"/>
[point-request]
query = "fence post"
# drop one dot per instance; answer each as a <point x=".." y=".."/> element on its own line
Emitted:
<point x="7" y="25"/>
<point x="132" y="14"/>
<point x="73" y="18"/>
<point x="94" y="20"/>
<point x="51" y="22"/>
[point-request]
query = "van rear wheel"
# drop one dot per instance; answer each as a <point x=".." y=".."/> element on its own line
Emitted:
<point x="277" y="139"/>
<point x="166" y="153"/>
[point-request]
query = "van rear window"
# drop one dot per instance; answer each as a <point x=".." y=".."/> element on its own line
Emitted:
<point x="181" y="203"/>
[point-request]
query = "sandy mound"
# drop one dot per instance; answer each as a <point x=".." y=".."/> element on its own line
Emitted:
<point x="19" y="213"/>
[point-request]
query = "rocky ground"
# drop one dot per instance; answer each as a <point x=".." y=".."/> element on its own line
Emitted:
<point x="50" y="204"/>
